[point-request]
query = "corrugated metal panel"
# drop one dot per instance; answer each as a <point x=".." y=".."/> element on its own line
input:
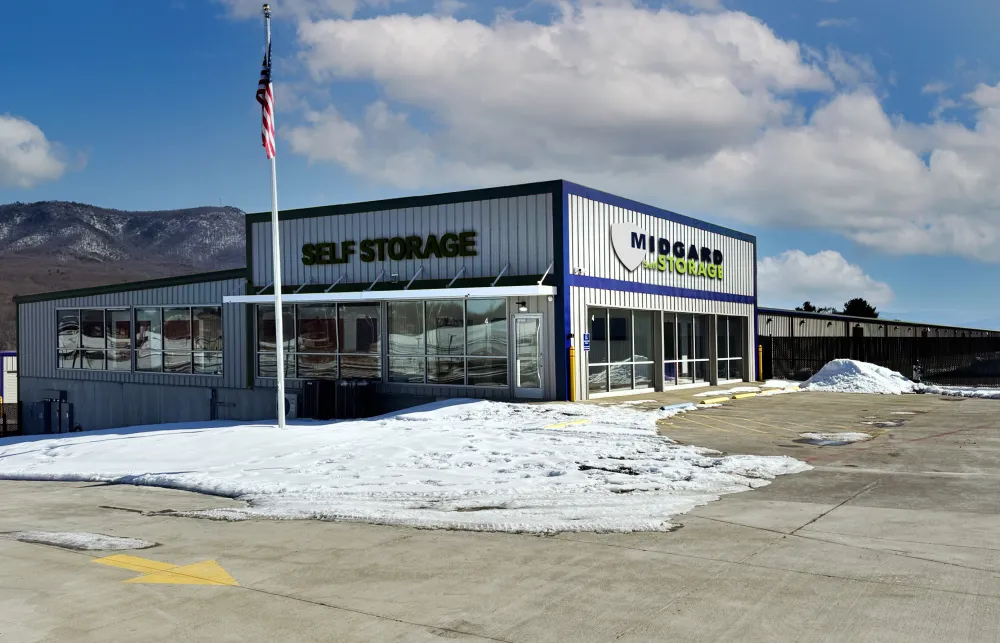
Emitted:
<point x="592" y="252"/>
<point x="583" y="298"/>
<point x="814" y="327"/>
<point x="37" y="321"/>
<point x="516" y="230"/>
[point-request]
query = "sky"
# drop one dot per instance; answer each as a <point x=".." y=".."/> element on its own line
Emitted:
<point x="859" y="141"/>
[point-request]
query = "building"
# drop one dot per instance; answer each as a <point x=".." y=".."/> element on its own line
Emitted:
<point x="475" y="294"/>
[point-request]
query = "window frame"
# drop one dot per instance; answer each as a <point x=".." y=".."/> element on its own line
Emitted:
<point x="631" y="363"/>
<point x="132" y="347"/>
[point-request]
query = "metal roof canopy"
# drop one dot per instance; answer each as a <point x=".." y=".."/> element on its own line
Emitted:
<point x="488" y="292"/>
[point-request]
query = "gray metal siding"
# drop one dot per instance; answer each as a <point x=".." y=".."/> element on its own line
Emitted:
<point x="37" y="323"/>
<point x="583" y="298"/>
<point x="516" y="230"/>
<point x="591" y="250"/>
<point x="109" y="405"/>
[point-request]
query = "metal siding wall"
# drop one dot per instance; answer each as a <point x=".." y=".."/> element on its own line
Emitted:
<point x="516" y="230"/>
<point x="583" y="298"/>
<point x="38" y="334"/>
<point x="592" y="252"/>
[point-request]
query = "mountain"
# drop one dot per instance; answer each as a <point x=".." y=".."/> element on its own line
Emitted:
<point x="56" y="245"/>
<point x="205" y="236"/>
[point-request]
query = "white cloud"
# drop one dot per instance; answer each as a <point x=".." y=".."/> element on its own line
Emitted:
<point x="936" y="87"/>
<point x="448" y="7"/>
<point x="26" y="156"/>
<point x="824" y="278"/>
<point x="696" y="112"/>
<point x="837" y="22"/>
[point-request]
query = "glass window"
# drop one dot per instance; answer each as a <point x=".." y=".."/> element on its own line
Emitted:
<point x="69" y="329"/>
<point x="486" y="327"/>
<point x="207" y="363"/>
<point x="445" y="328"/>
<point x="445" y="370"/>
<point x="92" y="329"/>
<point x="92" y="360"/>
<point x="118" y="329"/>
<point x="598" y="380"/>
<point x="360" y="366"/>
<point x="736" y="369"/>
<point x="266" y="329"/>
<point x="207" y="328"/>
<point x="406" y="329"/>
<point x="267" y="365"/>
<point x="620" y="376"/>
<point x="597" y="326"/>
<point x="359" y="329"/>
<point x="148" y="340"/>
<point x="643" y="351"/>
<point x="318" y="366"/>
<point x="119" y="360"/>
<point x="644" y="375"/>
<point x="176" y="361"/>
<point x="723" y="369"/>
<point x="620" y="336"/>
<point x="701" y="331"/>
<point x="317" y="328"/>
<point x="409" y="370"/>
<point x="736" y="337"/>
<point x="669" y="337"/>
<point x="722" y="335"/>
<point x="177" y="329"/>
<point x="487" y="371"/>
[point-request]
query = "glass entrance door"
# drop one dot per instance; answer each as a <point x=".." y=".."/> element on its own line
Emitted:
<point x="528" y="358"/>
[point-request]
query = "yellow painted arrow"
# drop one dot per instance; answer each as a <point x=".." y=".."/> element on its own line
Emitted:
<point x="207" y="572"/>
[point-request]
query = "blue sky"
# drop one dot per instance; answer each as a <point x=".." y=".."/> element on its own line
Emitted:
<point x="150" y="106"/>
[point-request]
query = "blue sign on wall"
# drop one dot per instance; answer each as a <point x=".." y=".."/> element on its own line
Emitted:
<point x="586" y="341"/>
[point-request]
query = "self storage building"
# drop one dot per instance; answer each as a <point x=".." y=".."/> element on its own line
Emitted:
<point x="477" y="293"/>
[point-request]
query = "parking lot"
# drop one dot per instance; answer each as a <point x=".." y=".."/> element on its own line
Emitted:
<point x="893" y="539"/>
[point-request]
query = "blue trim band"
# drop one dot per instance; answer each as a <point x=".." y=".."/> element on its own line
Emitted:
<point x="635" y="206"/>
<point x="585" y="281"/>
<point x="563" y="310"/>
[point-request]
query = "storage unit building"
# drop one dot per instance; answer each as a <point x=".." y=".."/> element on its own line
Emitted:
<point x="475" y="294"/>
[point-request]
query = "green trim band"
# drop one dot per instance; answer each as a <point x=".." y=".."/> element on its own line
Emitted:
<point x="165" y="282"/>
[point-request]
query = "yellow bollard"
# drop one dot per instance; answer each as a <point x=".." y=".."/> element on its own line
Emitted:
<point x="760" y="363"/>
<point x="572" y="373"/>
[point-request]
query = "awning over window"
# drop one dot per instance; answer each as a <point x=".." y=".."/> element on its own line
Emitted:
<point x="488" y="292"/>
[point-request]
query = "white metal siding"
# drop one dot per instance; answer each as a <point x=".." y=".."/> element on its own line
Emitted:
<point x="583" y="298"/>
<point x="591" y="250"/>
<point x="8" y="376"/>
<point x="517" y="230"/>
<point x="37" y="328"/>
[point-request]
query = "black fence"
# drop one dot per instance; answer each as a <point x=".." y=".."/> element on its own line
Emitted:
<point x="973" y="361"/>
<point x="9" y="420"/>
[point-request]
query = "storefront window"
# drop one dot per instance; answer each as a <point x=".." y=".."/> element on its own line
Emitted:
<point x="621" y="349"/>
<point x="730" y="346"/>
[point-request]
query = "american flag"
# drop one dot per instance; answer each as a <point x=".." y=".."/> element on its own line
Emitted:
<point x="265" y="96"/>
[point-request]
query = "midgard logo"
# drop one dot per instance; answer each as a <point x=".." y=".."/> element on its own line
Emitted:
<point x="634" y="247"/>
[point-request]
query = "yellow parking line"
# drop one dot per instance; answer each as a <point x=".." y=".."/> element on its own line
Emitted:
<point x="707" y="426"/>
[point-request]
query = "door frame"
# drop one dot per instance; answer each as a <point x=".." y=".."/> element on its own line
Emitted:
<point x="521" y="392"/>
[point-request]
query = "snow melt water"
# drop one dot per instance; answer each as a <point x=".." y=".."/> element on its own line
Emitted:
<point x="462" y="464"/>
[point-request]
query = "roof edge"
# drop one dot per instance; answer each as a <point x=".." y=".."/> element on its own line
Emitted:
<point x="877" y="320"/>
<point x="163" y="282"/>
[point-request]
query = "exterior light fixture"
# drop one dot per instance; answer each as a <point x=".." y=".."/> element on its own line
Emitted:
<point x="522" y="307"/>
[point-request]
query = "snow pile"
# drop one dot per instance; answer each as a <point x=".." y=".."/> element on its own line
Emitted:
<point x="959" y="391"/>
<point x="835" y="438"/>
<point x="78" y="540"/>
<point x="851" y="376"/>
<point x="461" y="464"/>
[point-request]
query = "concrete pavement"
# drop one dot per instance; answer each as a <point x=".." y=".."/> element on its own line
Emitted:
<point x="889" y="540"/>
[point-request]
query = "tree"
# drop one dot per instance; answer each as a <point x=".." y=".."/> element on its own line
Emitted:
<point x="858" y="307"/>
<point x="806" y="308"/>
<point x="828" y="309"/>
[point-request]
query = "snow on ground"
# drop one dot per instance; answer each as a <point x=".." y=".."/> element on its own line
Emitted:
<point x="835" y="438"/>
<point x="851" y="376"/>
<point x="78" y="540"/>
<point x="462" y="464"/>
<point x="959" y="391"/>
<point x="779" y="384"/>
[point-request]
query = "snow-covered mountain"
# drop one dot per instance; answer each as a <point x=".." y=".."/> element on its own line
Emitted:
<point x="208" y="237"/>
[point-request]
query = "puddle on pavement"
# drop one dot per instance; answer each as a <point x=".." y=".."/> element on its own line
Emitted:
<point x="889" y="424"/>
<point x="825" y="443"/>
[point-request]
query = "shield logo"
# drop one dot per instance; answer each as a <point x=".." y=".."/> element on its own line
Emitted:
<point x="629" y="242"/>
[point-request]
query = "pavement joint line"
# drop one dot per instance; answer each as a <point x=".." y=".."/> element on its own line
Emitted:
<point x="900" y="540"/>
<point x="801" y="426"/>
<point x="740" y="426"/>
<point x="319" y="603"/>
<point x="842" y="503"/>
<point x="714" y="428"/>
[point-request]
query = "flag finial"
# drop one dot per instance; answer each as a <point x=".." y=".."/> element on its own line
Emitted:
<point x="267" y="11"/>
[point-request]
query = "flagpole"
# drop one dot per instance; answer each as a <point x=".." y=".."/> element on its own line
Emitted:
<point x="279" y="331"/>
